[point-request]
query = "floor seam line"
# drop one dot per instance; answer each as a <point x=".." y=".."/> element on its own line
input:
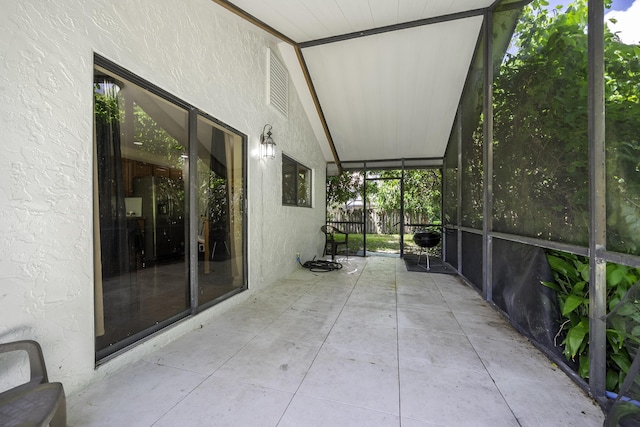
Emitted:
<point x="295" y="393"/>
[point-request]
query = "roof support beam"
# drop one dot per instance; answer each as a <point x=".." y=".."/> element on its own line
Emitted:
<point x="395" y="27"/>
<point x="316" y="102"/>
<point x="255" y="21"/>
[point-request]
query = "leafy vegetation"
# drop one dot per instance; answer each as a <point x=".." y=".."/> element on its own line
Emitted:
<point x="571" y="283"/>
<point x="541" y="131"/>
<point x="541" y="162"/>
<point x="422" y="193"/>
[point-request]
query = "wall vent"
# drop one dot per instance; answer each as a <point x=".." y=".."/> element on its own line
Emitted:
<point x="278" y="84"/>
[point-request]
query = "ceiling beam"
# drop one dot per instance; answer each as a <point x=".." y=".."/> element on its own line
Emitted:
<point x="255" y="21"/>
<point x="316" y="101"/>
<point x="303" y="65"/>
<point x="394" y="27"/>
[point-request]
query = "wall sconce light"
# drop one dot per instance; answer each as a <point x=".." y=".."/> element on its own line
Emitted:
<point x="267" y="144"/>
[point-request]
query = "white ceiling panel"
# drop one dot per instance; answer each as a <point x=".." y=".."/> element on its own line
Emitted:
<point x="386" y="74"/>
<point x="305" y="20"/>
<point x="393" y="95"/>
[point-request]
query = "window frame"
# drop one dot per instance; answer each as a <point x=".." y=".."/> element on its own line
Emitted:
<point x="195" y="306"/>
<point x="298" y="167"/>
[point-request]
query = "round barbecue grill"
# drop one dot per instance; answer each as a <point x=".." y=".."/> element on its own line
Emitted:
<point x="426" y="240"/>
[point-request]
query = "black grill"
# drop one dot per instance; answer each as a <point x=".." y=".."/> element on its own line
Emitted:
<point x="426" y="239"/>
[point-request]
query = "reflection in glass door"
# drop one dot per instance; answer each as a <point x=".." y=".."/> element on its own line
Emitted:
<point x="220" y="199"/>
<point x="150" y="270"/>
<point x="140" y="160"/>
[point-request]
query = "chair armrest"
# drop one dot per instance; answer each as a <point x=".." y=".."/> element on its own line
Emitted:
<point x="36" y="358"/>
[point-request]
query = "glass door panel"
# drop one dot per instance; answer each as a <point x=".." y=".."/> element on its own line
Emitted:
<point x="140" y="158"/>
<point x="220" y="198"/>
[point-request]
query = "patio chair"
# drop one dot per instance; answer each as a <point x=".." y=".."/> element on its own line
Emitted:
<point x="36" y="402"/>
<point x="331" y="243"/>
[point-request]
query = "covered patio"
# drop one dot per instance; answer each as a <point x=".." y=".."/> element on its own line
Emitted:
<point x="370" y="344"/>
<point x="223" y="327"/>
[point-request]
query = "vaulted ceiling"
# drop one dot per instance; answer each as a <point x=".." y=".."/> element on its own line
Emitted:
<point x="380" y="79"/>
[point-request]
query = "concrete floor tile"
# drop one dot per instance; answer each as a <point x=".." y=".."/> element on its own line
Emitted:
<point x="319" y="306"/>
<point x="428" y="319"/>
<point x="290" y="286"/>
<point x="429" y="299"/>
<point x="452" y="397"/>
<point x="330" y="290"/>
<point x="204" y="350"/>
<point x="409" y="422"/>
<point x="377" y="295"/>
<point x="279" y="364"/>
<point x="421" y="349"/>
<point x="538" y="404"/>
<point x="297" y="326"/>
<point x="274" y="302"/>
<point x="245" y="320"/>
<point x="225" y="403"/>
<point x="312" y="412"/>
<point x="490" y="325"/>
<point x="353" y="378"/>
<point x="370" y="312"/>
<point x="370" y="344"/>
<point x="364" y="337"/>
<point x="470" y="307"/>
<point x="517" y="359"/>
<point x="136" y="396"/>
<point x="412" y="285"/>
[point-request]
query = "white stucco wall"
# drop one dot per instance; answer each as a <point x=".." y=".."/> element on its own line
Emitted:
<point x="193" y="49"/>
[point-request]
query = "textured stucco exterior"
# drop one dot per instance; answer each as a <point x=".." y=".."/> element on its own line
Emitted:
<point x="194" y="50"/>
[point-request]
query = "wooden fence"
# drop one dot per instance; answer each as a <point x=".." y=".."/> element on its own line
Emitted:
<point x="378" y="221"/>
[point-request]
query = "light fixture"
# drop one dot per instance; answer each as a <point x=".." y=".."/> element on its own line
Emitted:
<point x="267" y="144"/>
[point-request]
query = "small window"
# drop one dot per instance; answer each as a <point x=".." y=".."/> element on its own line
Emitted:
<point x="296" y="183"/>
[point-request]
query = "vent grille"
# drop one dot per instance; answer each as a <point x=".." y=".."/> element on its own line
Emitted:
<point x="278" y="85"/>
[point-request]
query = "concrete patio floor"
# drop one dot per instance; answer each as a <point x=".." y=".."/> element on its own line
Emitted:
<point x="369" y="345"/>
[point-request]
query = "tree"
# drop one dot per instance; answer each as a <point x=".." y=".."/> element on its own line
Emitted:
<point x="343" y="188"/>
<point x="422" y="193"/>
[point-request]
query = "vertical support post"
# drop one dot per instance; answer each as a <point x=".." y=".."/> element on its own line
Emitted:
<point x="192" y="211"/>
<point x="459" y="190"/>
<point x="402" y="211"/>
<point x="487" y="153"/>
<point x="597" y="202"/>
<point x="364" y="210"/>
<point x="207" y="251"/>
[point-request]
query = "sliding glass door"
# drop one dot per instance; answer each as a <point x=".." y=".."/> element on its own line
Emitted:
<point x="220" y="202"/>
<point x="144" y="205"/>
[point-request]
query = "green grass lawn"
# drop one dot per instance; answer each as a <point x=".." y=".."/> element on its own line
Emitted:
<point x="387" y="243"/>
<point x="384" y="243"/>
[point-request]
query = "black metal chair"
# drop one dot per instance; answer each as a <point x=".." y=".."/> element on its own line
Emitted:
<point x="331" y="243"/>
<point x="36" y="402"/>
